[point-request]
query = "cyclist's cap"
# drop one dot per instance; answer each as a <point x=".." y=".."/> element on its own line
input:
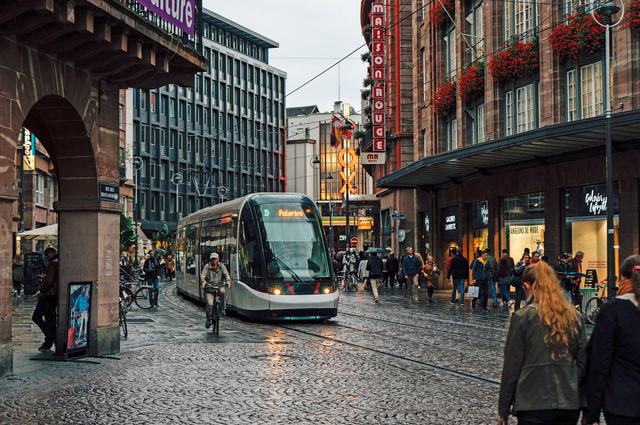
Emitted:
<point x="214" y="255"/>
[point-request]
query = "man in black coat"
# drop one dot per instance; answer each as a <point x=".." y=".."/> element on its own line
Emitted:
<point x="392" y="269"/>
<point x="458" y="273"/>
<point x="374" y="265"/>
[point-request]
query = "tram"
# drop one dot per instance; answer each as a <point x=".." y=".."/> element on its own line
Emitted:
<point x="274" y="248"/>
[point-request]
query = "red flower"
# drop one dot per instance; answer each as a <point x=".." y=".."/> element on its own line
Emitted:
<point x="579" y="36"/>
<point x="444" y="99"/>
<point x="471" y="84"/>
<point x="633" y="16"/>
<point x="438" y="14"/>
<point x="517" y="60"/>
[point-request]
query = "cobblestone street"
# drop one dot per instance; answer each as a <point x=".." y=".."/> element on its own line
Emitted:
<point x="396" y="362"/>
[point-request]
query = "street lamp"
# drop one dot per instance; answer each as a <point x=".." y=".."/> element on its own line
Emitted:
<point x="137" y="164"/>
<point x="315" y="164"/>
<point x="177" y="179"/>
<point x="606" y="11"/>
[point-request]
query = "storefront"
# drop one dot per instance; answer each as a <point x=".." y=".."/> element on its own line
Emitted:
<point x="450" y="225"/>
<point x="524" y="224"/>
<point x="479" y="227"/>
<point x="585" y="218"/>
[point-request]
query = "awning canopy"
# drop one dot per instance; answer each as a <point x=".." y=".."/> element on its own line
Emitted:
<point x="543" y="146"/>
<point x="46" y="233"/>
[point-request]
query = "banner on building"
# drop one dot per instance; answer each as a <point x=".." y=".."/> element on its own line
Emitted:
<point x="180" y="13"/>
<point x="378" y="63"/>
<point x="373" y="158"/>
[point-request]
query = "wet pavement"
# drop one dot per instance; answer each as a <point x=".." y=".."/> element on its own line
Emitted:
<point x="395" y="362"/>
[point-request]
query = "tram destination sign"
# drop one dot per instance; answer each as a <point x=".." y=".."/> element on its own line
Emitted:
<point x="176" y="12"/>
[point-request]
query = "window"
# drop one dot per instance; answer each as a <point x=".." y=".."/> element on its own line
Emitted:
<point x="181" y="110"/>
<point x="584" y="92"/>
<point x="172" y="108"/>
<point x="172" y="140"/>
<point x="424" y="75"/>
<point x="143" y="100"/>
<point x="452" y="135"/>
<point x="163" y="171"/>
<point x="163" y="105"/>
<point x="571" y="96"/>
<point x="475" y="36"/>
<point x="143" y="168"/>
<point x="570" y="6"/>
<point x="53" y="189"/>
<point x="478" y="124"/>
<point x="521" y="110"/>
<point x="40" y="190"/>
<point x="450" y="53"/>
<point x="152" y="170"/>
<point x="153" y="103"/>
<point x="519" y="18"/>
<point x="424" y="143"/>
<point x="189" y="113"/>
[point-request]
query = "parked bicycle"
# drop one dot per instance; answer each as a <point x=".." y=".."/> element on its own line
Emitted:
<point x="217" y="307"/>
<point x="592" y="308"/>
<point x="146" y="296"/>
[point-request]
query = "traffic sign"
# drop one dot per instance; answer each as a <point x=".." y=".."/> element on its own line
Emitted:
<point x="398" y="216"/>
<point x="342" y="237"/>
<point x="354" y="241"/>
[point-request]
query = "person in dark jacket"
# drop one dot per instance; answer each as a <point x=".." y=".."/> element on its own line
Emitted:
<point x="481" y="276"/>
<point x="493" y="264"/>
<point x="392" y="269"/>
<point x="374" y="266"/>
<point x="518" y="270"/>
<point x="411" y="267"/>
<point x="458" y="272"/>
<point x="563" y="267"/>
<point x="151" y="269"/>
<point x="505" y="277"/>
<point x="613" y="380"/>
<point x="17" y="274"/>
<point x="544" y="355"/>
<point x="44" y="314"/>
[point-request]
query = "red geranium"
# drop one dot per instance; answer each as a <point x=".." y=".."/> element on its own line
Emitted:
<point x="444" y="99"/>
<point x="633" y="16"/>
<point x="438" y="14"/>
<point x="579" y="36"/>
<point x="517" y="60"/>
<point x="471" y="84"/>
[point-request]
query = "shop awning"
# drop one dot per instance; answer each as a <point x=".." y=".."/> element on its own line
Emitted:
<point x="544" y="146"/>
<point x="45" y="233"/>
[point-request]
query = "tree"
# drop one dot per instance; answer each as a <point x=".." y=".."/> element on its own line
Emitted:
<point x="166" y="238"/>
<point x="128" y="234"/>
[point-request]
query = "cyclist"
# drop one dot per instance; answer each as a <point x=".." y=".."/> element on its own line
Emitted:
<point x="214" y="274"/>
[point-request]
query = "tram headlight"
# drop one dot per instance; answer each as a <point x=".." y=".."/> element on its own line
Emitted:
<point x="277" y="291"/>
<point x="326" y="290"/>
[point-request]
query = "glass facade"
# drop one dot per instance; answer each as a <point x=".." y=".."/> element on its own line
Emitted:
<point x="524" y="223"/>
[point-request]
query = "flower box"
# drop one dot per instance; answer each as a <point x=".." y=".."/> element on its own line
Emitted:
<point x="444" y="99"/>
<point x="471" y="85"/>
<point x="633" y="16"/>
<point x="439" y="15"/>
<point x="518" y="59"/>
<point x="578" y="37"/>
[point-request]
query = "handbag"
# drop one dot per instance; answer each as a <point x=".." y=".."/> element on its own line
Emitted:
<point x="473" y="291"/>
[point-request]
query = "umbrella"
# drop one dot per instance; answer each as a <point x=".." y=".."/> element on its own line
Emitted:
<point x="46" y="233"/>
<point x="376" y="251"/>
<point x="159" y="251"/>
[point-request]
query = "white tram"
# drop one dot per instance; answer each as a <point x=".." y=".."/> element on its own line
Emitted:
<point x="274" y="248"/>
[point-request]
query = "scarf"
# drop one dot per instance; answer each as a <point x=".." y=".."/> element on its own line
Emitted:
<point x="626" y="287"/>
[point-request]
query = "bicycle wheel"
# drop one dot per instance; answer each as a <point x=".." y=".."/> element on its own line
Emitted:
<point x="352" y="283"/>
<point x="128" y="300"/>
<point x="591" y="310"/>
<point x="144" y="297"/>
<point x="123" y="321"/>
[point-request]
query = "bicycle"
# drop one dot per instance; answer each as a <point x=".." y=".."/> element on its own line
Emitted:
<point x="592" y="308"/>
<point x="122" y="317"/>
<point x="217" y="307"/>
<point x="126" y="294"/>
<point x="146" y="296"/>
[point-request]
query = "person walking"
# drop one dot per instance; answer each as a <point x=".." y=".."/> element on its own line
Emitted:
<point x="44" y="314"/>
<point x="392" y="269"/>
<point x="505" y="277"/>
<point x="518" y="271"/>
<point x="576" y="266"/>
<point x="613" y="379"/>
<point x="162" y="266"/>
<point x="481" y="275"/>
<point x="363" y="272"/>
<point x="544" y="355"/>
<point x="374" y="271"/>
<point x="214" y="273"/>
<point x="431" y="275"/>
<point x="411" y="266"/>
<point x="493" y="265"/>
<point x="564" y="267"/>
<point x="171" y="267"/>
<point x="17" y="275"/>
<point x="151" y="270"/>
<point x="458" y="272"/>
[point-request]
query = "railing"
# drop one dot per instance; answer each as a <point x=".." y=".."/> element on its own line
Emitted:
<point x="194" y="42"/>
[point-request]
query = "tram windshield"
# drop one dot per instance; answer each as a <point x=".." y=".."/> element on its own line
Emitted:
<point x="294" y="247"/>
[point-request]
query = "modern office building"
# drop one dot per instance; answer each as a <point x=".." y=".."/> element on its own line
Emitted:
<point x="222" y="139"/>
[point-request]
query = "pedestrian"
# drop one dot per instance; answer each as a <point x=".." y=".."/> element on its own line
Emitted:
<point x="518" y="271"/>
<point x="392" y="269"/>
<point x="613" y="379"/>
<point x="171" y="267"/>
<point x="505" y="277"/>
<point x="44" y="314"/>
<point x="385" y="272"/>
<point x="576" y="266"/>
<point x="411" y="267"/>
<point x="458" y="272"/>
<point x="544" y="355"/>
<point x="151" y="270"/>
<point x="481" y="275"/>
<point x="363" y="273"/>
<point x="374" y="271"/>
<point x="17" y="275"/>
<point x="493" y="265"/>
<point x="421" y="274"/>
<point x="563" y="268"/>
<point x="214" y="273"/>
<point x="431" y="275"/>
<point x="162" y="266"/>
<point x="535" y="257"/>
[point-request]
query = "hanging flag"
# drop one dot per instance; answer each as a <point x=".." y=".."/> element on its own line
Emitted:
<point x="336" y="133"/>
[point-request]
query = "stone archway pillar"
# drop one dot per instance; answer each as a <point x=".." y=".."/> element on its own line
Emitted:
<point x="89" y="252"/>
<point x="6" y="282"/>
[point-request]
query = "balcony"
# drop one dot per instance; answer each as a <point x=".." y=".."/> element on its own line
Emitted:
<point x="115" y="40"/>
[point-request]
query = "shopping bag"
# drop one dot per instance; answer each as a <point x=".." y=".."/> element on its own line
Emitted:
<point x="473" y="291"/>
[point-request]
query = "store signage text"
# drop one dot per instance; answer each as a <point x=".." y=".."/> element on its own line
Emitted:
<point x="29" y="150"/>
<point x="289" y="213"/>
<point x="450" y="223"/>
<point x="372" y="158"/>
<point x="378" y="62"/>
<point x="177" y="12"/>
<point x="347" y="164"/>
<point x="523" y="230"/>
<point x="109" y="192"/>
<point x="595" y="202"/>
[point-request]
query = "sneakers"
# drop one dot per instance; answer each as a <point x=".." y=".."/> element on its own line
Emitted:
<point x="451" y="302"/>
<point x="376" y="300"/>
<point x="208" y="324"/>
<point x="44" y="348"/>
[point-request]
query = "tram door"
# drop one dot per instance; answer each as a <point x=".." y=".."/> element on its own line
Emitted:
<point x="191" y="271"/>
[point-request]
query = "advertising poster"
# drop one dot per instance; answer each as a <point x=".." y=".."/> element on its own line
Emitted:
<point x="79" y="309"/>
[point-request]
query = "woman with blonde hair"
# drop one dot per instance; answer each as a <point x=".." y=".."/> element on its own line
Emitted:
<point x="613" y="382"/>
<point x="544" y="356"/>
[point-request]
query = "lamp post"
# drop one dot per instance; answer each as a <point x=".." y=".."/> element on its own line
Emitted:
<point x="330" y="178"/>
<point x="606" y="10"/>
<point x="137" y="164"/>
<point x="315" y="163"/>
<point x="177" y="179"/>
<point x="346" y="131"/>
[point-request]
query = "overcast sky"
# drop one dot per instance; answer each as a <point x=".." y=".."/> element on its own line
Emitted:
<point x="313" y="34"/>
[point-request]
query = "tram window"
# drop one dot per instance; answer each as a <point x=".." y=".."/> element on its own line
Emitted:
<point x="249" y="255"/>
<point x="191" y="249"/>
<point x="179" y="249"/>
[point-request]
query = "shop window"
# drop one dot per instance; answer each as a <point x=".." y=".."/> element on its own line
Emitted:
<point x="480" y="226"/>
<point x="524" y="223"/>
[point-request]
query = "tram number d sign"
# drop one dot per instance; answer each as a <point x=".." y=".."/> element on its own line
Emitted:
<point x="354" y="241"/>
